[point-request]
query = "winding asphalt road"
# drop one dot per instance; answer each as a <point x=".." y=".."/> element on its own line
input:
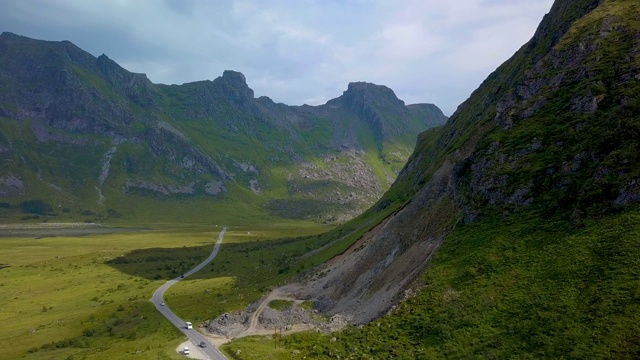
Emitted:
<point x="196" y="338"/>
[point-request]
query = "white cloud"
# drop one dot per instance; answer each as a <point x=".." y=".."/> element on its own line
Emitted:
<point x="407" y="41"/>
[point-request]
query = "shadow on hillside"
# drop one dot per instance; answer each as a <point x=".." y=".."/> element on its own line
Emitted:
<point x="160" y="263"/>
<point x="63" y="231"/>
<point x="269" y="257"/>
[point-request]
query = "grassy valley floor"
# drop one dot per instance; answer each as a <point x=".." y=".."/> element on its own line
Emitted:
<point x="87" y="297"/>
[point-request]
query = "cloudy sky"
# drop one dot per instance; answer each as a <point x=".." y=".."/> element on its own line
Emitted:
<point x="295" y="51"/>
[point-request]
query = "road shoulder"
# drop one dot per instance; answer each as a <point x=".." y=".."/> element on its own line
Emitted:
<point x="194" y="351"/>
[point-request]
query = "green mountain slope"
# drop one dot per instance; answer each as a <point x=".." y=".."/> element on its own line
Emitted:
<point x="526" y="200"/>
<point x="82" y="135"/>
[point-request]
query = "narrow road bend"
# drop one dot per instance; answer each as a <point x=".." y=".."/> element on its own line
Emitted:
<point x="194" y="336"/>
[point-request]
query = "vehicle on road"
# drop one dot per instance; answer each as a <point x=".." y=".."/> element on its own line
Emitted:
<point x="185" y="326"/>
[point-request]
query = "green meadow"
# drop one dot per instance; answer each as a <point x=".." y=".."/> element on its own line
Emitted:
<point x="87" y="297"/>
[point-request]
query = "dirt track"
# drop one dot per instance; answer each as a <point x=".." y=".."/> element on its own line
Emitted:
<point x="265" y="320"/>
<point x="255" y="328"/>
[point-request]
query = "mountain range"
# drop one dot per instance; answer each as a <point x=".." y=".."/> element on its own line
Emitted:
<point x="82" y="135"/>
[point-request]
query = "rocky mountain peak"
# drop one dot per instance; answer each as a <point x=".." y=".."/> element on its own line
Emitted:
<point x="361" y="92"/>
<point x="135" y="85"/>
<point x="379" y="106"/>
<point x="375" y="104"/>
<point x="558" y="21"/>
<point x="235" y="76"/>
<point x="234" y="85"/>
<point x="110" y="68"/>
<point x="8" y="34"/>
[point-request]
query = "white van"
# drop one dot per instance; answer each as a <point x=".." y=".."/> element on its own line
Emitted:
<point x="189" y="325"/>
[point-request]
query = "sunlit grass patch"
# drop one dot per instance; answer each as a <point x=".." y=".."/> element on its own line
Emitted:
<point x="88" y="296"/>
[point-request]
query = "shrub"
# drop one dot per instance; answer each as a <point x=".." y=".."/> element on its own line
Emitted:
<point x="38" y="207"/>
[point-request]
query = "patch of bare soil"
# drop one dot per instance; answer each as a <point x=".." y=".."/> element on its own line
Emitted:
<point x="260" y="319"/>
<point x="371" y="276"/>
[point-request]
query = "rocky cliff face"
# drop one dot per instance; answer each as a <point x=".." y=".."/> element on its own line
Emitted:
<point x="99" y="136"/>
<point x="552" y="132"/>
<point x="384" y="112"/>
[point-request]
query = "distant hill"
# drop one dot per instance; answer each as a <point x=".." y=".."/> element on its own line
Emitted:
<point x="82" y="135"/>
<point x="522" y="209"/>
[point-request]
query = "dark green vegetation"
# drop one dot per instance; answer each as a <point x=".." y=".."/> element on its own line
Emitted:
<point x="249" y="264"/>
<point x="515" y="286"/>
<point x="539" y="173"/>
<point x="89" y="140"/>
<point x="280" y="304"/>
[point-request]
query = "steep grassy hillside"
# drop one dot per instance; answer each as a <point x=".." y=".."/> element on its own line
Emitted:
<point x="516" y="287"/>
<point x="529" y="193"/>
<point x="85" y="136"/>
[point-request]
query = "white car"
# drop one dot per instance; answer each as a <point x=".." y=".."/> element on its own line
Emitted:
<point x="185" y="351"/>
